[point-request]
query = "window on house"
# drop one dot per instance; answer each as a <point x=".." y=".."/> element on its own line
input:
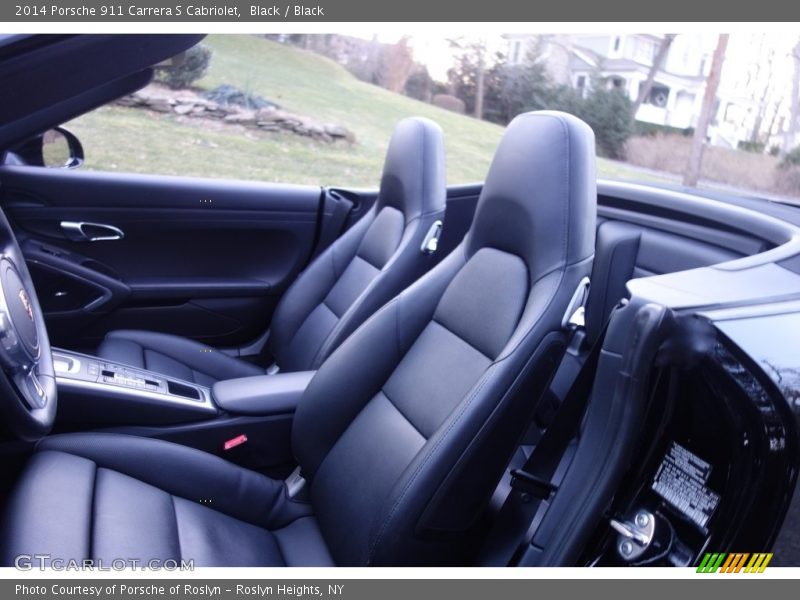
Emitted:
<point x="715" y="112"/>
<point x="580" y="85"/>
<point x="645" y="51"/>
<point x="516" y="46"/>
<point x="659" y="95"/>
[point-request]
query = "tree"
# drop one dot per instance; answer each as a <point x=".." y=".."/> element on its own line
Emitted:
<point x="758" y="85"/>
<point x="420" y="84"/>
<point x="480" y="88"/>
<point x="184" y="69"/>
<point x="608" y="112"/>
<point x="658" y="63"/>
<point x="794" y="105"/>
<point x="395" y="65"/>
<point x="467" y="77"/>
<point x="514" y="89"/>
<point x="694" y="165"/>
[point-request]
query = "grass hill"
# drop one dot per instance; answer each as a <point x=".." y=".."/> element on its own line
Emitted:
<point x="116" y="138"/>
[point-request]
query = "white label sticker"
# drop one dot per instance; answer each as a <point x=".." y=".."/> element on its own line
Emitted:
<point x="681" y="481"/>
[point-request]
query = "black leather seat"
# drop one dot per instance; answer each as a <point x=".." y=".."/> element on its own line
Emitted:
<point x="404" y="430"/>
<point x="373" y="261"/>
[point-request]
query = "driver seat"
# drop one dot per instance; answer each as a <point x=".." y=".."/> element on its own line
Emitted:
<point x="401" y="435"/>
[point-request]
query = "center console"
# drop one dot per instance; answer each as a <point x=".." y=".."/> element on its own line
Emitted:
<point x="94" y="390"/>
<point x="97" y="394"/>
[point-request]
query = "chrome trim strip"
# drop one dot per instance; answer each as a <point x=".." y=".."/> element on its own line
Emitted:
<point x="73" y="362"/>
<point x="118" y="390"/>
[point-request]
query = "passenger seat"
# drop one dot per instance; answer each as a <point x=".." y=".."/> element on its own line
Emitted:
<point x="371" y="263"/>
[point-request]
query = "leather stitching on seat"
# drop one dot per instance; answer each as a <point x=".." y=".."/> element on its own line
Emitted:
<point x="487" y="375"/>
<point x="177" y="528"/>
<point x="461" y="338"/>
<point x="93" y="509"/>
<point x="404" y="415"/>
<point x="369" y="262"/>
<point x="397" y="340"/>
<point x="326" y="344"/>
<point x="279" y="546"/>
<point x="169" y="359"/>
<point x="423" y="158"/>
<point x="330" y="308"/>
<point x="336" y="272"/>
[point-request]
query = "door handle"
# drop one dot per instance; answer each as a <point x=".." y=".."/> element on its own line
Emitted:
<point x="82" y="231"/>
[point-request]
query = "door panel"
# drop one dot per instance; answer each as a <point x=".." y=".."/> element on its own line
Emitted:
<point x="202" y="258"/>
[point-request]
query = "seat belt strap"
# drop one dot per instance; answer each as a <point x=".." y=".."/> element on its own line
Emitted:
<point x="532" y="484"/>
<point x="333" y="226"/>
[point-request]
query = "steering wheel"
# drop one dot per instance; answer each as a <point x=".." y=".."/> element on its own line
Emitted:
<point x="27" y="377"/>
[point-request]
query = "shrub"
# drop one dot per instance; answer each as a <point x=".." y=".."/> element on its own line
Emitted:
<point x="755" y="147"/>
<point x="792" y="159"/>
<point x="787" y="180"/>
<point x="608" y="112"/>
<point x="514" y="89"/>
<point x="419" y="84"/>
<point x="187" y="67"/>
<point x="644" y="128"/>
<point x="670" y="153"/>
<point x="231" y="95"/>
<point x="448" y="102"/>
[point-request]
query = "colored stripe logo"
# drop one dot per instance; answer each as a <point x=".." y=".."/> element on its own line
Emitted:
<point x="734" y="562"/>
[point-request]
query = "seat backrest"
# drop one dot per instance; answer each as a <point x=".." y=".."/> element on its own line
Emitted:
<point x="375" y="259"/>
<point x="406" y="428"/>
<point x="625" y="251"/>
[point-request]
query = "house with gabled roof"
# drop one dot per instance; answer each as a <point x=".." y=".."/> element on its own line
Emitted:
<point x="624" y="61"/>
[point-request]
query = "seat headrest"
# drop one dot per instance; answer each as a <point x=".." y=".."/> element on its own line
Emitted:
<point x="413" y="179"/>
<point x="539" y="200"/>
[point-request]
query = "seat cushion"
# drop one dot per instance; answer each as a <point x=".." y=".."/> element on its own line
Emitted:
<point x="107" y="497"/>
<point x="174" y="356"/>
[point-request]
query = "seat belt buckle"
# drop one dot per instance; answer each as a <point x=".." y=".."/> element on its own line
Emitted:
<point x="296" y="485"/>
<point x="524" y="482"/>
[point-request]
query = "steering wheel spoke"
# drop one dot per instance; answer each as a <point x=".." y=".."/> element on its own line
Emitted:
<point x="27" y="381"/>
<point x="32" y="390"/>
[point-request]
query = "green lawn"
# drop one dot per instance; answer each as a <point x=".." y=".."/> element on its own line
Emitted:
<point x="133" y="140"/>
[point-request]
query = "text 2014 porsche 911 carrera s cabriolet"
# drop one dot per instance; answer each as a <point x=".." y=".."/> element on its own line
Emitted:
<point x="543" y="369"/>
